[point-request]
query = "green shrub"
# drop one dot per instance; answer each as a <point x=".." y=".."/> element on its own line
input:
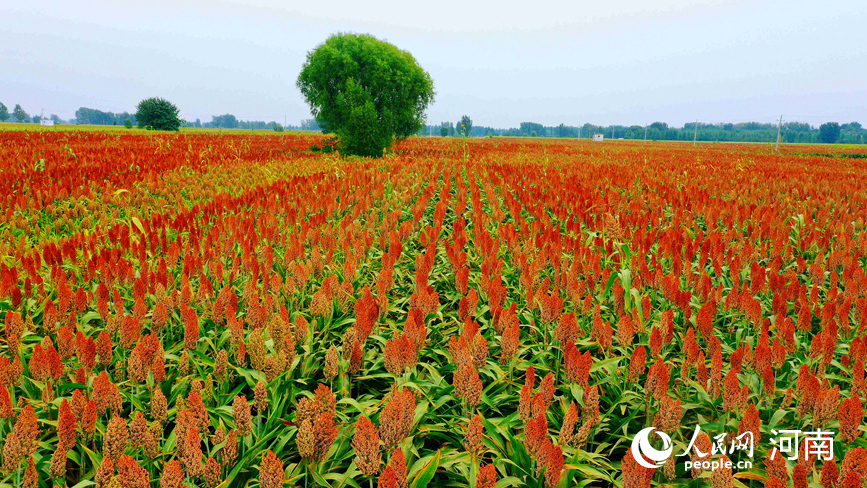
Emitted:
<point x="158" y="114"/>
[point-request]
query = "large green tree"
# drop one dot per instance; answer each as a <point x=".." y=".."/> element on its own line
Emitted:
<point x="19" y="113"/>
<point x="157" y="114"/>
<point x="466" y="125"/>
<point x="366" y="91"/>
<point x="829" y="132"/>
<point x="4" y="113"/>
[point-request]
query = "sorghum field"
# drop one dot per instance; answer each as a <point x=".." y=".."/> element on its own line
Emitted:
<point x="236" y="310"/>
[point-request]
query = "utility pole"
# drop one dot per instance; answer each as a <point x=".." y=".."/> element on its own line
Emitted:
<point x="579" y="132"/>
<point x="779" y="129"/>
<point x="695" y="134"/>
<point x="645" y="134"/>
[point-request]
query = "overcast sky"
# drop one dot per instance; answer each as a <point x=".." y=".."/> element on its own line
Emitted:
<point x="502" y="63"/>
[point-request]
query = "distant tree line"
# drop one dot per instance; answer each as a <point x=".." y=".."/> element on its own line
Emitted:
<point x="92" y="116"/>
<point x="791" y="132"/>
<point x="229" y="121"/>
<point x="18" y="114"/>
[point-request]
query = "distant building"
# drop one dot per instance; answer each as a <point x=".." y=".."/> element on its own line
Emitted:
<point x="598" y="137"/>
<point x="47" y="122"/>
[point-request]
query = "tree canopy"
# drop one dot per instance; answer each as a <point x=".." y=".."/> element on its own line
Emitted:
<point x="466" y="125"/>
<point x="366" y="91"/>
<point x="157" y="114"/>
<point x="829" y="133"/>
<point x="4" y="113"/>
<point x="20" y="114"/>
<point x="227" y="121"/>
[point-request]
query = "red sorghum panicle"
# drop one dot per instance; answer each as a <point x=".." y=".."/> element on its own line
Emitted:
<point x="702" y="444"/>
<point x="78" y="403"/>
<point x="572" y="362"/>
<point x="331" y="363"/>
<point x="828" y="478"/>
<point x="669" y="415"/>
<point x="366" y="445"/>
<point x="468" y="385"/>
<point x="669" y="469"/>
<point x="479" y="350"/>
<point x="536" y="431"/>
<point x="305" y="439"/>
<point x="130" y="474"/>
<point x="151" y="444"/>
<point x="256" y="349"/>
<point x="300" y="329"/>
<point x="487" y="477"/>
<point x="395" y="421"/>
<point x="591" y="403"/>
<point x="260" y="397"/>
<point x="850" y="414"/>
<point x="635" y="475"/>
<point x="271" y="473"/>
<point x="731" y="390"/>
<point x="799" y="476"/>
<point x="356" y="359"/>
<point x="827" y="402"/>
<point x="106" y="394"/>
<point x="192" y="455"/>
<point x="212" y="474"/>
<point x="221" y="364"/>
<point x="184" y="366"/>
<point x="350" y="336"/>
<point x="88" y="420"/>
<point x="853" y="464"/>
<point x="66" y="425"/>
<point x="721" y="477"/>
<point x="230" y="450"/>
<point x="26" y="429"/>
<point x="553" y="465"/>
<point x="116" y="438"/>
<point x="751" y="423"/>
<point x="547" y="389"/>
<point x="568" y="428"/>
<point x="787" y="399"/>
<point x="173" y="475"/>
<point x="326" y="433"/>
<point x="195" y="405"/>
<point x="388" y="479"/>
<point x="6" y="411"/>
<point x="459" y="350"/>
<point x="31" y="478"/>
<point x="851" y="480"/>
<point x="657" y="379"/>
<point x="398" y="464"/>
<point x="655" y="342"/>
<point x="475" y="434"/>
<point x="775" y="468"/>
<point x="138" y="431"/>
<point x="159" y="406"/>
<point x="509" y="343"/>
<point x="637" y="364"/>
<point x="105" y="472"/>
<point x="241" y="413"/>
<point x="57" y="469"/>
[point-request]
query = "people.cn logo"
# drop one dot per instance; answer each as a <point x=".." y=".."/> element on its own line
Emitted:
<point x="642" y="450"/>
